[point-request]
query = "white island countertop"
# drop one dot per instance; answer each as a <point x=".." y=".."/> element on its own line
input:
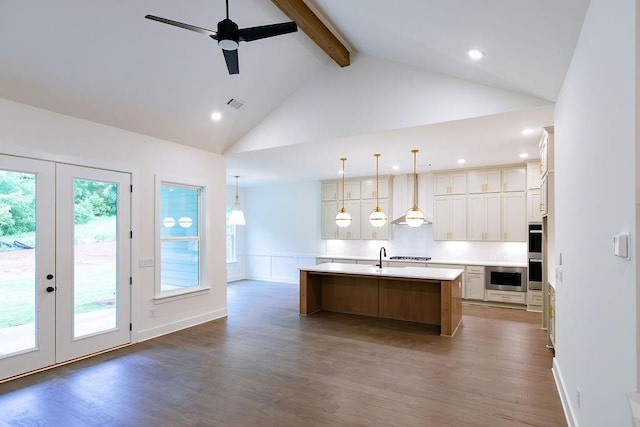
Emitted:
<point x="370" y="270"/>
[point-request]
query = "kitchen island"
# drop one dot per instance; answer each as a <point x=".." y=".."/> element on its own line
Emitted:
<point x="425" y="295"/>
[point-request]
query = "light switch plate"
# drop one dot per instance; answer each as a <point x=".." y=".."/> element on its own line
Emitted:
<point x="621" y="245"/>
<point x="145" y="262"/>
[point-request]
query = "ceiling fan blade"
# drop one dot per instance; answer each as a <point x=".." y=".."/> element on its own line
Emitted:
<point x="190" y="27"/>
<point x="264" y="31"/>
<point x="231" y="58"/>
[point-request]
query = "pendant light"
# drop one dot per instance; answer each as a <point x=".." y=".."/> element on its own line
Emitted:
<point x="377" y="218"/>
<point x="414" y="216"/>
<point x="343" y="219"/>
<point x="236" y="217"/>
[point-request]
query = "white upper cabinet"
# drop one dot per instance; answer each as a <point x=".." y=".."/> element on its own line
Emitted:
<point x="484" y="181"/>
<point x="533" y="175"/>
<point x="514" y="179"/>
<point x="484" y="217"/>
<point x="329" y="191"/>
<point x="329" y="228"/>
<point x="514" y="226"/>
<point x="546" y="151"/>
<point x="534" y="206"/>
<point x="352" y="232"/>
<point x="450" y="183"/>
<point x="450" y="217"/>
<point x="369" y="188"/>
<point x="351" y="190"/>
<point x="368" y="231"/>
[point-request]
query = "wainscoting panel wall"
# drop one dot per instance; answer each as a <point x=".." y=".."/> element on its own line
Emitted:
<point x="277" y="267"/>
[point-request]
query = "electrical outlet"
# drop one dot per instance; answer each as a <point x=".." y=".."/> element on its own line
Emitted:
<point x="152" y="312"/>
<point x="578" y="397"/>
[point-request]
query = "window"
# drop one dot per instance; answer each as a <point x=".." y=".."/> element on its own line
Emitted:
<point x="181" y="244"/>
<point x="231" y="240"/>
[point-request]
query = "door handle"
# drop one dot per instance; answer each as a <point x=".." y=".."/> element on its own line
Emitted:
<point x="50" y="289"/>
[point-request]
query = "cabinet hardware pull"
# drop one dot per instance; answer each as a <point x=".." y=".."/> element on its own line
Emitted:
<point x="541" y="167"/>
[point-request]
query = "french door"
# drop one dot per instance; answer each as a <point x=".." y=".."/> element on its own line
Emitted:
<point x="64" y="262"/>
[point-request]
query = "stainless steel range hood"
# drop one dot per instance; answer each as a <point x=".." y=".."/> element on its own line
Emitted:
<point x="403" y="221"/>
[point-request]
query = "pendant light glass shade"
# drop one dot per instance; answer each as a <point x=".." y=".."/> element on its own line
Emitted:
<point x="377" y="218"/>
<point x="414" y="216"/>
<point x="343" y="219"/>
<point x="237" y="216"/>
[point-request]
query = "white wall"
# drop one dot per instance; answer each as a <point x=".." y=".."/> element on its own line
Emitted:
<point x="41" y="134"/>
<point x="595" y="141"/>
<point x="283" y="230"/>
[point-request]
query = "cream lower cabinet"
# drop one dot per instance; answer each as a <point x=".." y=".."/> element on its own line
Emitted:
<point x="506" y="296"/>
<point x="484" y="217"/>
<point x="534" y="300"/>
<point x="352" y="232"/>
<point x="450" y="217"/>
<point x="474" y="288"/>
<point x="368" y="231"/>
<point x="514" y="226"/>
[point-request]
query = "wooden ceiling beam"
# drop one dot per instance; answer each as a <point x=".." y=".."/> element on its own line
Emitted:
<point x="313" y="27"/>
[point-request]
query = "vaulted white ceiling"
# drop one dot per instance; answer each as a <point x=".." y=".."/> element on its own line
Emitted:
<point x="410" y="83"/>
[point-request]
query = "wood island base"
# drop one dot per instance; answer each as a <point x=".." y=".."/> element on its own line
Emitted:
<point x="434" y="302"/>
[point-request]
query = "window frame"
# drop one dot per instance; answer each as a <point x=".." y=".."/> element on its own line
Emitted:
<point x="203" y="285"/>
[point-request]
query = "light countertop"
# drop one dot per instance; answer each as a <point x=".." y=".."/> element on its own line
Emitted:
<point x="403" y="272"/>
<point x="431" y="261"/>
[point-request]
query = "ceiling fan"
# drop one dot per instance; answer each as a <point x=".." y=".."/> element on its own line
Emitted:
<point x="229" y="35"/>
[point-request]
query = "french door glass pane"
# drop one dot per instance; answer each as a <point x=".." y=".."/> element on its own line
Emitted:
<point x="95" y="257"/>
<point x="18" y="309"/>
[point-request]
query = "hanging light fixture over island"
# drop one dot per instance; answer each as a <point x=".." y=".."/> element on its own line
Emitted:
<point x="377" y="218"/>
<point x="414" y="216"/>
<point x="343" y="219"/>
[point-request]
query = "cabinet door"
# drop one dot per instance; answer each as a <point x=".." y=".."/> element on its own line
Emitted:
<point x="441" y="217"/>
<point x="544" y="192"/>
<point x="484" y="217"/>
<point x="329" y="229"/>
<point x="475" y="286"/>
<point x="514" y="179"/>
<point x="534" y="213"/>
<point x="477" y="216"/>
<point x="458" y="218"/>
<point x="484" y="181"/>
<point x="514" y="227"/>
<point x="369" y="191"/>
<point x="351" y="190"/>
<point x="544" y="152"/>
<point x="441" y="185"/>
<point x="533" y="175"/>
<point x="329" y="191"/>
<point x="458" y="183"/>
<point x="352" y="232"/>
<point x="367" y="230"/>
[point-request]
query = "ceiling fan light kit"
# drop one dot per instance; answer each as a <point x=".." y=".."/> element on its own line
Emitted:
<point x="229" y="35"/>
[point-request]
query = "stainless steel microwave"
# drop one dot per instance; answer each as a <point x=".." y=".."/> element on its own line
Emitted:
<point x="506" y="278"/>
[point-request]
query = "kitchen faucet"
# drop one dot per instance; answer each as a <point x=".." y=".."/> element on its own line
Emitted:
<point x="382" y="251"/>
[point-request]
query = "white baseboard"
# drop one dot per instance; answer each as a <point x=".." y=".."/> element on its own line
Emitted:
<point x="274" y="279"/>
<point x="564" y="396"/>
<point x="236" y="278"/>
<point x="168" y="328"/>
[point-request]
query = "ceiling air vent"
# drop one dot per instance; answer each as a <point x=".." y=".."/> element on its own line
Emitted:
<point x="235" y="103"/>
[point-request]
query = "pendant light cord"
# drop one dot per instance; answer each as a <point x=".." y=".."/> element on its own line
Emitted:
<point x="343" y="160"/>
<point x="377" y="156"/>
<point x="415" y="182"/>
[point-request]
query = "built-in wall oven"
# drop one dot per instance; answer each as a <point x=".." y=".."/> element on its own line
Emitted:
<point x="534" y="279"/>
<point x="506" y="278"/>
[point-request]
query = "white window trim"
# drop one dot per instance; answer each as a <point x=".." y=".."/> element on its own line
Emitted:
<point x="202" y="249"/>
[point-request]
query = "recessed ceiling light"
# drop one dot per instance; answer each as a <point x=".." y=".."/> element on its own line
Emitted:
<point x="461" y="161"/>
<point x="524" y="155"/>
<point x="395" y="167"/>
<point x="340" y="172"/>
<point x="216" y="116"/>
<point x="527" y="131"/>
<point x="475" y="54"/>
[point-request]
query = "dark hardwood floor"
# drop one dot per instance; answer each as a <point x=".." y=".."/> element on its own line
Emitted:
<point x="266" y="366"/>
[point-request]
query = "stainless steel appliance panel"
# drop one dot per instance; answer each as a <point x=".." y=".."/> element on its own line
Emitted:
<point x="506" y="278"/>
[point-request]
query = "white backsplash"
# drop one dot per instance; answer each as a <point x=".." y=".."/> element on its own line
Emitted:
<point x="419" y="241"/>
